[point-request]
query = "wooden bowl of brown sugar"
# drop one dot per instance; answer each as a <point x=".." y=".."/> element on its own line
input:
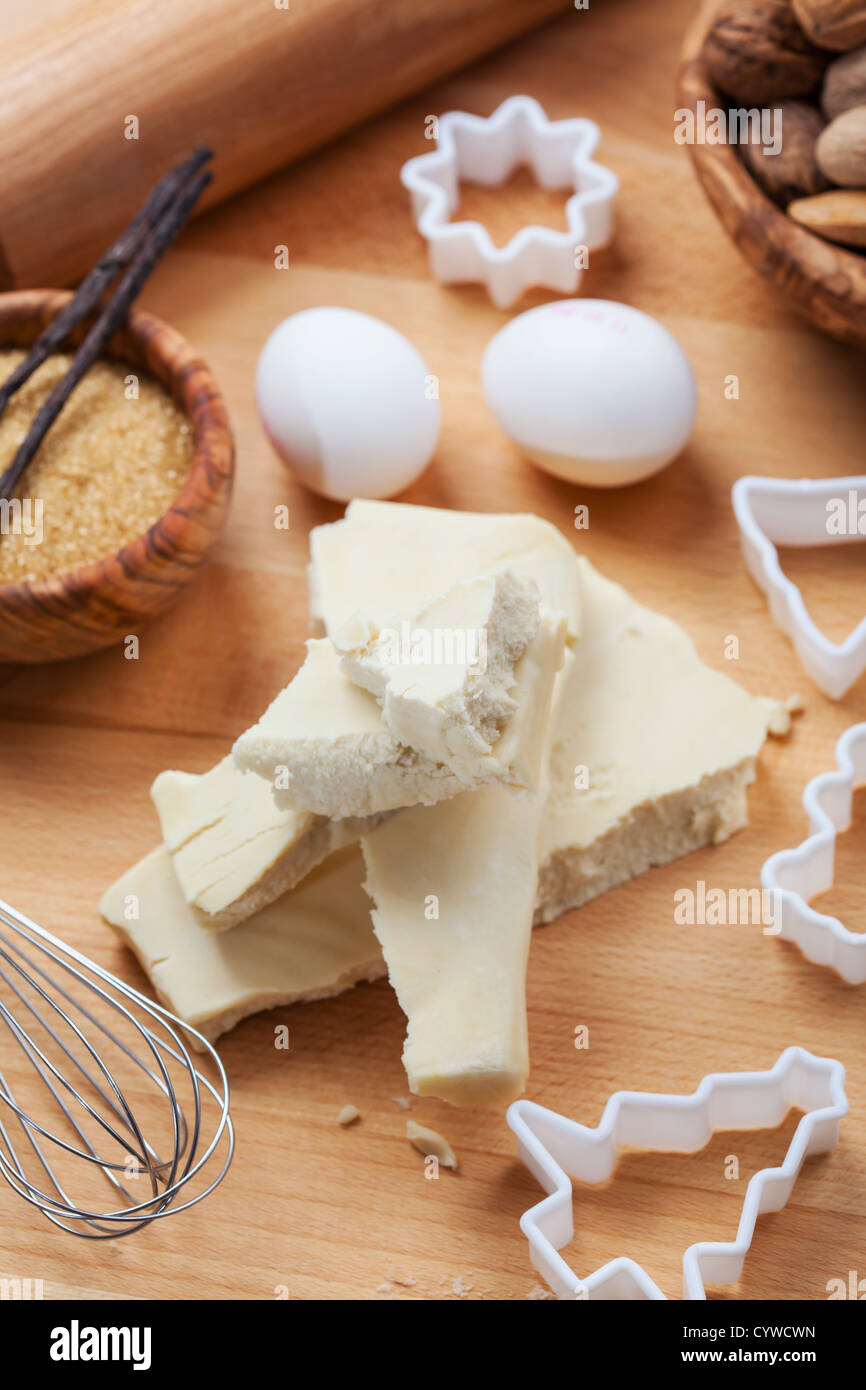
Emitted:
<point x="126" y="496"/>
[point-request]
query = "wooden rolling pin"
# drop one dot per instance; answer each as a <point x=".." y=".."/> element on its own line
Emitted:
<point x="259" y="81"/>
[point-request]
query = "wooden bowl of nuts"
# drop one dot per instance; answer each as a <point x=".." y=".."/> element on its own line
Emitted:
<point x="126" y="495"/>
<point x="774" y="96"/>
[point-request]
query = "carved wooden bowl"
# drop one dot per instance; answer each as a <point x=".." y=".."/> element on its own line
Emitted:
<point x="102" y="602"/>
<point x="823" y="282"/>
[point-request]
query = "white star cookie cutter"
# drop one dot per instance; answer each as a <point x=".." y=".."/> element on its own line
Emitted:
<point x="486" y="151"/>
<point x="804" y="512"/>
<point x="797" y="875"/>
<point x="556" y="1149"/>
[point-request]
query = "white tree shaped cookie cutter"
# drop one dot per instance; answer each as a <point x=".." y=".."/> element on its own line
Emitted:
<point x="804" y="512"/>
<point x="556" y="1149"/>
<point x="486" y="150"/>
<point x="797" y="875"/>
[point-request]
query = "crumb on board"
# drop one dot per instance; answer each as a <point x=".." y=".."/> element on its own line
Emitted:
<point x="779" y="722"/>
<point x="431" y="1144"/>
<point x="448" y="1286"/>
<point x="539" y="1293"/>
<point x="348" y="1115"/>
<point x="395" y="1288"/>
<point x="402" y="1102"/>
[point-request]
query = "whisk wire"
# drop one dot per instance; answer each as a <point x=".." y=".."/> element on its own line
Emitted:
<point x="75" y="1059"/>
<point x="42" y="1063"/>
<point x="137" y="1061"/>
<point x="183" y="1138"/>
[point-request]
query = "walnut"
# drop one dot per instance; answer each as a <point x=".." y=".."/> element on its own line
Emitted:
<point x="794" y="171"/>
<point x="757" y="53"/>
<point x="839" y="24"/>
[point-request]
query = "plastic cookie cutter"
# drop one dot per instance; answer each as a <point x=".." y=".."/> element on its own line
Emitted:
<point x="779" y="511"/>
<point x="556" y="1149"/>
<point x="486" y="150"/>
<point x="797" y="875"/>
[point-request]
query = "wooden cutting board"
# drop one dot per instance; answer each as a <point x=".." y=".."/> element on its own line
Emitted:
<point x="333" y="1213"/>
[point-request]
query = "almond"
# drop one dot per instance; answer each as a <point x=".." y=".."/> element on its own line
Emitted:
<point x="841" y="149"/>
<point x="839" y="24"/>
<point x="837" y="216"/>
<point x="756" y="53"/>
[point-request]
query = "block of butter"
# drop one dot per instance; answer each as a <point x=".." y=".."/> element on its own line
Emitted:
<point x="324" y="744"/>
<point x="651" y="752"/>
<point x="382" y="551"/>
<point x="315" y="941"/>
<point x="234" y="850"/>
<point x="646" y="755"/>
<point x="444" y="676"/>
<point x="453" y="888"/>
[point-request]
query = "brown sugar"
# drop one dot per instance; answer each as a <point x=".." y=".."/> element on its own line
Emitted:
<point x="110" y="466"/>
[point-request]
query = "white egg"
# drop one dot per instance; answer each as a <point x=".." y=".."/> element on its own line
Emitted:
<point x="348" y="402"/>
<point x="593" y="391"/>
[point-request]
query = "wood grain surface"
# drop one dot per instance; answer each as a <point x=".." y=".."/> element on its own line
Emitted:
<point x="334" y="1213"/>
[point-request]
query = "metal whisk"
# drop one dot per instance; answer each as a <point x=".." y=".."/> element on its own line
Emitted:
<point x="111" y="1092"/>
